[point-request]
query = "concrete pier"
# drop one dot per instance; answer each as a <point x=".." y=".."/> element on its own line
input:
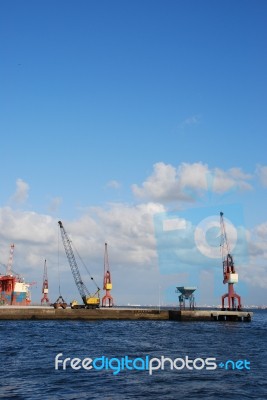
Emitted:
<point x="210" y="315"/>
<point x="49" y="313"/>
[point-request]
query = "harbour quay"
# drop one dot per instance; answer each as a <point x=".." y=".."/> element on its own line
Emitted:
<point x="121" y="313"/>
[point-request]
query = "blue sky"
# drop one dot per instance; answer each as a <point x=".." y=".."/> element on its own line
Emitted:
<point x="94" y="94"/>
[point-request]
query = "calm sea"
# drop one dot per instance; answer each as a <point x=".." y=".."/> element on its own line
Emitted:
<point x="28" y="350"/>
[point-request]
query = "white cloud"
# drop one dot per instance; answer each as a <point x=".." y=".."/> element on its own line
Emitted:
<point x="174" y="224"/>
<point x="254" y="271"/>
<point x="261" y="171"/>
<point x="257" y="238"/>
<point x="188" y="181"/>
<point x="130" y="233"/>
<point x="261" y="231"/>
<point x="128" y="230"/>
<point x="22" y="191"/>
<point x="114" y="184"/>
<point x="234" y="178"/>
<point x="133" y="252"/>
<point x="54" y="204"/>
<point x="162" y="185"/>
<point x="193" y="176"/>
<point x="25" y="226"/>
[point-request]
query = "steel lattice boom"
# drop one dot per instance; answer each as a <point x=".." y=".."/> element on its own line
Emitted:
<point x="45" y="286"/>
<point x="230" y="275"/>
<point x="10" y="260"/>
<point x="87" y="298"/>
<point x="107" y="300"/>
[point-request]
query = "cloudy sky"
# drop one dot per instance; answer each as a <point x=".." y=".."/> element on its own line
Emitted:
<point x="134" y="123"/>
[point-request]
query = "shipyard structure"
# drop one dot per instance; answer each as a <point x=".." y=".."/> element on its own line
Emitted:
<point x="15" y="292"/>
<point x="13" y="289"/>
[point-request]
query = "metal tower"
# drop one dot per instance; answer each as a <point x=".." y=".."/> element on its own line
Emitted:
<point x="107" y="300"/>
<point x="45" y="286"/>
<point x="229" y="274"/>
<point x="10" y="260"/>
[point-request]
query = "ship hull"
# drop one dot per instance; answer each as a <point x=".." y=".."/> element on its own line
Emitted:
<point x="14" y="299"/>
<point x="13" y="292"/>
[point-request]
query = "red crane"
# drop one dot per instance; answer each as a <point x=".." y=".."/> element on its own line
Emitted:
<point x="229" y="273"/>
<point x="107" y="300"/>
<point x="45" y="286"/>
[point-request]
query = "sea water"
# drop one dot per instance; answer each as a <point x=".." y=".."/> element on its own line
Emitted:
<point x="134" y="359"/>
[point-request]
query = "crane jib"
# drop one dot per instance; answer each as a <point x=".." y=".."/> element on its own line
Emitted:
<point x="87" y="298"/>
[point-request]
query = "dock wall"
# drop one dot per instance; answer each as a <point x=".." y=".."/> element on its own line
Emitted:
<point x="46" y="313"/>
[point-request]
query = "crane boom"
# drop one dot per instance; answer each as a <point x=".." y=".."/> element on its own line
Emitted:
<point x="45" y="286"/>
<point x="107" y="284"/>
<point x="87" y="298"/>
<point x="10" y="260"/>
<point x="230" y="275"/>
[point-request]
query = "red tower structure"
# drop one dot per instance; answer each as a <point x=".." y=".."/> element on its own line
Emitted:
<point x="45" y="298"/>
<point x="107" y="300"/>
<point x="229" y="273"/>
